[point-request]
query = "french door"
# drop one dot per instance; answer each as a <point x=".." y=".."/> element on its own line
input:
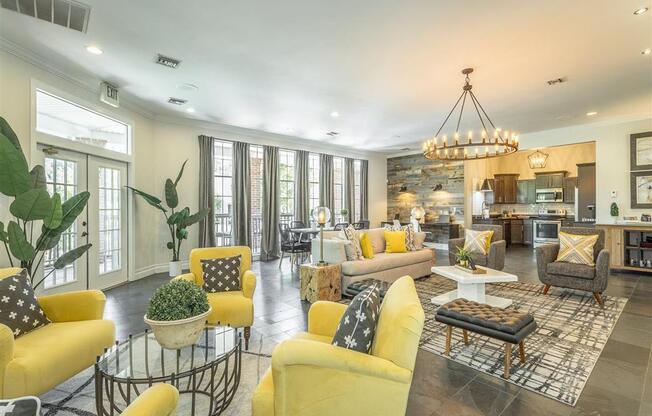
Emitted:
<point x="103" y="223"/>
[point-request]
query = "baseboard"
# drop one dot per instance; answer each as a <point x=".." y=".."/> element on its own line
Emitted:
<point x="155" y="268"/>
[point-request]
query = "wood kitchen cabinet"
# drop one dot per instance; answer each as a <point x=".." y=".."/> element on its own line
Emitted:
<point x="525" y="191"/>
<point x="505" y="188"/>
<point x="517" y="231"/>
<point x="569" y="190"/>
<point x="586" y="190"/>
<point x="528" y="232"/>
<point x="549" y="180"/>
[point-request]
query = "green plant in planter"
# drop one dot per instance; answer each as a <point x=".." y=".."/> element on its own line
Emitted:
<point x="33" y="208"/>
<point x="614" y="209"/>
<point x="176" y="300"/>
<point x="177" y="221"/>
<point x="462" y="256"/>
<point x="344" y="213"/>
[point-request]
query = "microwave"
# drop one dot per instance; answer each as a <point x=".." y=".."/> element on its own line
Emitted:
<point x="550" y="195"/>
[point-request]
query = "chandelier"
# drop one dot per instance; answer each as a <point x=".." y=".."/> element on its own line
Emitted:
<point x="488" y="143"/>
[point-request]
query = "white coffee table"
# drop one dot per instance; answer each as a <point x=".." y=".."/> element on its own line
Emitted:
<point x="471" y="286"/>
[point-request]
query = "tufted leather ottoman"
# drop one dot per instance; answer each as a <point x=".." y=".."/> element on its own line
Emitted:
<point x="502" y="324"/>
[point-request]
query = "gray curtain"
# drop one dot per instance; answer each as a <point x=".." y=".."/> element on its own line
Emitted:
<point x="206" y="190"/>
<point x="302" y="191"/>
<point x="349" y="187"/>
<point x="326" y="183"/>
<point x="241" y="195"/>
<point x="364" y="190"/>
<point x="270" y="238"/>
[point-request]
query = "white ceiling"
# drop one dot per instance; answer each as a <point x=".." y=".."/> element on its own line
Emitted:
<point x="391" y="69"/>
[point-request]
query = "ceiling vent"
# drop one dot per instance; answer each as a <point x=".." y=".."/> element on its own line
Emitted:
<point x="66" y="13"/>
<point x="177" y="101"/>
<point x="557" y="81"/>
<point x="332" y="133"/>
<point x="167" y="61"/>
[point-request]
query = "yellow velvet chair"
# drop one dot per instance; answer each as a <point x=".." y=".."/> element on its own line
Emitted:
<point x="34" y="363"/>
<point x="158" y="400"/>
<point x="235" y="309"/>
<point x="309" y="376"/>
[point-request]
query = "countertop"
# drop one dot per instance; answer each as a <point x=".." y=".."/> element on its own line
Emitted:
<point x="626" y="224"/>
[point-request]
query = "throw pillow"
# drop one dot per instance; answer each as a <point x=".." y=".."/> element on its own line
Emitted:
<point x="221" y="275"/>
<point x="410" y="235"/>
<point x="358" y="324"/>
<point x="419" y="239"/>
<point x="348" y="248"/>
<point x="352" y="235"/>
<point x="19" y="309"/>
<point x="366" y="246"/>
<point x="574" y="248"/>
<point x="477" y="241"/>
<point x="395" y="242"/>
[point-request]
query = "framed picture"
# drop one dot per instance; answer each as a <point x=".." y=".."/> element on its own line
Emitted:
<point x="641" y="189"/>
<point x="640" y="151"/>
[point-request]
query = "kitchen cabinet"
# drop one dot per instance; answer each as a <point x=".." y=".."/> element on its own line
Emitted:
<point x="505" y="188"/>
<point x="528" y="232"/>
<point x="517" y="231"/>
<point x="569" y="190"/>
<point x="549" y="180"/>
<point x="586" y="190"/>
<point x="525" y="191"/>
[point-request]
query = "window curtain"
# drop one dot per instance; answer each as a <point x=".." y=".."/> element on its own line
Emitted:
<point x="302" y="191"/>
<point x="206" y="190"/>
<point x="270" y="239"/>
<point x="364" y="190"/>
<point x="349" y="187"/>
<point x="326" y="183"/>
<point x="241" y="195"/>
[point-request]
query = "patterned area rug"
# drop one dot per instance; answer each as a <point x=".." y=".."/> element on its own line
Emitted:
<point x="560" y="354"/>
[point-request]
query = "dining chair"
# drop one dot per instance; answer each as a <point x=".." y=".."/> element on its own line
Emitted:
<point x="340" y="226"/>
<point x="361" y="225"/>
<point x="290" y="245"/>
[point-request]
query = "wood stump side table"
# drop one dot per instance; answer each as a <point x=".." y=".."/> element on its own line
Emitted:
<point x="321" y="282"/>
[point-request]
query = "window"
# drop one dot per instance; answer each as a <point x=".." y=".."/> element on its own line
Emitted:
<point x="223" y="184"/>
<point x="286" y="179"/>
<point x="338" y="189"/>
<point x="256" y="170"/>
<point x="313" y="180"/>
<point x="64" y="119"/>
<point x="356" y="190"/>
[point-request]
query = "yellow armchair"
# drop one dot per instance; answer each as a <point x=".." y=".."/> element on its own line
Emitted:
<point x="309" y="376"/>
<point x="158" y="400"/>
<point x="229" y="308"/>
<point x="34" y="363"/>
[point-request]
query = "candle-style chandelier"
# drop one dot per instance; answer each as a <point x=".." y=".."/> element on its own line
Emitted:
<point x="479" y="146"/>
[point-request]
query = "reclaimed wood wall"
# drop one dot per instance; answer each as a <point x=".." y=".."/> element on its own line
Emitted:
<point x="420" y="176"/>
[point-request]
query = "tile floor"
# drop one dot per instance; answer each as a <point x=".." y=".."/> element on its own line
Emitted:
<point x="621" y="382"/>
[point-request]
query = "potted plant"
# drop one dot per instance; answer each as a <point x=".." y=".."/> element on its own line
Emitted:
<point x="463" y="257"/>
<point x="614" y="211"/>
<point x="176" y="221"/>
<point x="344" y="213"/>
<point x="177" y="313"/>
<point x="34" y="209"/>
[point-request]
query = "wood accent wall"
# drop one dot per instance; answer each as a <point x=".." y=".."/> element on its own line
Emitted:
<point x="420" y="176"/>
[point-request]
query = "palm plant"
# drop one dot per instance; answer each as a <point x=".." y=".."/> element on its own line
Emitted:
<point x="33" y="206"/>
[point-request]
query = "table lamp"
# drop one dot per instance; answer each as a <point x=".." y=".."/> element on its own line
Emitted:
<point x="321" y="215"/>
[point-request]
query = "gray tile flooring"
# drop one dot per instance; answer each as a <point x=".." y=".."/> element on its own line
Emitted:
<point x="621" y="382"/>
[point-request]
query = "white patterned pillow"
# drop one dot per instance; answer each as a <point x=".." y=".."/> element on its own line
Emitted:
<point x="352" y="235"/>
<point x="410" y="235"/>
<point x="221" y="275"/>
<point x="357" y="326"/>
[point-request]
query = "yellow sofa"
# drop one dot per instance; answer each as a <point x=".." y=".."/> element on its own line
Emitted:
<point x="34" y="363"/>
<point x="235" y="309"/>
<point x="309" y="376"/>
<point x="158" y="400"/>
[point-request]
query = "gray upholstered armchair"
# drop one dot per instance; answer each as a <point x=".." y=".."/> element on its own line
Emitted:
<point x="495" y="258"/>
<point x="575" y="276"/>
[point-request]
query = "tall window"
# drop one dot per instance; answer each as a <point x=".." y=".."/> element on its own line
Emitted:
<point x="313" y="180"/>
<point x="286" y="178"/>
<point x="256" y="170"/>
<point x="223" y="188"/>
<point x="338" y="188"/>
<point x="356" y="190"/>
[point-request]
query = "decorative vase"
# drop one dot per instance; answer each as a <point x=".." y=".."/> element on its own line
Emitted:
<point x="178" y="334"/>
<point x="175" y="268"/>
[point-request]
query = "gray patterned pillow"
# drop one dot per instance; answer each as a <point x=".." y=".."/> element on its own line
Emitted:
<point x="221" y="275"/>
<point x="352" y="235"/>
<point x="357" y="327"/>
<point x="19" y="309"/>
<point x="410" y="235"/>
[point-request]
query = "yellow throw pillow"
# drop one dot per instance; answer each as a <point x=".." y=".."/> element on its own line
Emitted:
<point x="367" y="248"/>
<point x="477" y="241"/>
<point x="395" y="242"/>
<point x="574" y="248"/>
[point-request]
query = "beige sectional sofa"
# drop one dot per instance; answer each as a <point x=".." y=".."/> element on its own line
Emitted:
<point x="384" y="266"/>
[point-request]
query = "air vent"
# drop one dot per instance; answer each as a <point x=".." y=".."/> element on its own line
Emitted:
<point x="66" y="13"/>
<point x="557" y="81"/>
<point x="332" y="133"/>
<point x="177" y="101"/>
<point x="167" y="61"/>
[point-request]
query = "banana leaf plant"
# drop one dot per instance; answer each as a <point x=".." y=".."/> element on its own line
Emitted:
<point x="177" y="221"/>
<point x="33" y="207"/>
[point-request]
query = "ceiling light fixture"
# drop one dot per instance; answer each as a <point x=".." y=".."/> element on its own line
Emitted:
<point x="640" y="11"/>
<point x="472" y="147"/>
<point x="646" y="51"/>
<point x="537" y="160"/>
<point x="190" y="110"/>
<point x="592" y="113"/>
<point x="94" y="50"/>
<point x="335" y="114"/>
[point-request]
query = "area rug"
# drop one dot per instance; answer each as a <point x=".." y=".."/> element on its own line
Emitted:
<point x="77" y="395"/>
<point x="560" y="354"/>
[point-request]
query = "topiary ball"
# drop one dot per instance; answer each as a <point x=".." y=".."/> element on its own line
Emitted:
<point x="175" y="300"/>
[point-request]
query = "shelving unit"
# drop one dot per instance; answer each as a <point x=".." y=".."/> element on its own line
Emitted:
<point x="634" y="253"/>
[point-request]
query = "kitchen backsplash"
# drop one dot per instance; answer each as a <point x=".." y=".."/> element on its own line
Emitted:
<point x="532" y="208"/>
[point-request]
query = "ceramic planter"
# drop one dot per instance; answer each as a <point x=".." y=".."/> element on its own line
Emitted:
<point x="175" y="268"/>
<point x="178" y="334"/>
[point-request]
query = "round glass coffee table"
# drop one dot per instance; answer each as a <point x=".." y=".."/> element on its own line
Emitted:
<point x="206" y="374"/>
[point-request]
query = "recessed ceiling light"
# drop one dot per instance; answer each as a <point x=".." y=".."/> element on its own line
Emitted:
<point x="94" y="50"/>
<point x="335" y="114"/>
<point x="646" y="51"/>
<point x="640" y="11"/>
<point x="591" y="113"/>
<point x="190" y="110"/>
